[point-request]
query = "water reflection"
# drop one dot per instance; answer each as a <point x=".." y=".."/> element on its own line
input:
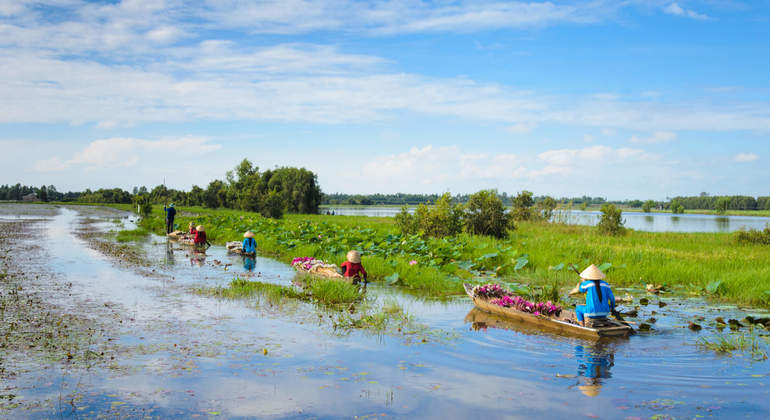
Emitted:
<point x="723" y="224"/>
<point x="197" y="258"/>
<point x="169" y="258"/>
<point x="594" y="363"/>
<point x="249" y="263"/>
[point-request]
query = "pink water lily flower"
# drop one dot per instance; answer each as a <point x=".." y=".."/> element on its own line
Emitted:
<point x="413" y="262"/>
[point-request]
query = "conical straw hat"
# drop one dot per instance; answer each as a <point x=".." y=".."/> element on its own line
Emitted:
<point x="200" y="228"/>
<point x="592" y="273"/>
<point x="590" y="390"/>
<point x="248" y="234"/>
<point x="354" y="256"/>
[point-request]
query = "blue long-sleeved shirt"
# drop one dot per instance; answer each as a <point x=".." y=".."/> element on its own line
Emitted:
<point x="249" y="245"/>
<point x="594" y="306"/>
<point x="170" y="212"/>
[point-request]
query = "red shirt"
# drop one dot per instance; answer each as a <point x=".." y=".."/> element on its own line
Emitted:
<point x="200" y="237"/>
<point x="353" y="269"/>
<point x="193" y="231"/>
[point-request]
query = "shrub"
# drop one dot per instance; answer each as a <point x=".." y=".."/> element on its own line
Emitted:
<point x="676" y="207"/>
<point x="272" y="205"/>
<point x="721" y="205"/>
<point x="647" y="206"/>
<point x="439" y="220"/>
<point x="754" y="236"/>
<point x="611" y="221"/>
<point x="522" y="204"/>
<point x="144" y="205"/>
<point x="485" y="215"/>
<point x="546" y="207"/>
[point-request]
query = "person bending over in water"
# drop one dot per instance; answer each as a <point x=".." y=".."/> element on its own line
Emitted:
<point x="200" y="237"/>
<point x="599" y="298"/>
<point x="191" y="229"/>
<point x="353" y="268"/>
<point x="249" y="244"/>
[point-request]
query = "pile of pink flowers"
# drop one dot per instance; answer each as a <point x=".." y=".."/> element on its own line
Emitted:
<point x="305" y="262"/>
<point x="489" y="290"/>
<point x="521" y="304"/>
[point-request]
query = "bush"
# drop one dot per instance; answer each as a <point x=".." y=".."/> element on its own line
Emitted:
<point x="272" y="205"/>
<point x="522" y="204"/>
<point x="647" y="206"/>
<point x="611" y="222"/>
<point x="754" y="236"/>
<point x="721" y="205"/>
<point x="485" y="215"/>
<point x="144" y="205"/>
<point x="676" y="207"/>
<point x="439" y="220"/>
<point x="546" y="207"/>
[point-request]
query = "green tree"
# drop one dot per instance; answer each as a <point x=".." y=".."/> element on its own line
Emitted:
<point x="272" y="205"/>
<point x="676" y="207"/>
<point x="647" y="206"/>
<point x="43" y="193"/>
<point x="406" y="222"/>
<point x="611" y="221"/>
<point x="545" y="207"/>
<point x="721" y="205"/>
<point x="522" y="204"/>
<point x="485" y="215"/>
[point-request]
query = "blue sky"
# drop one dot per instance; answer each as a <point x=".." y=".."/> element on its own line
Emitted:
<point x="621" y="99"/>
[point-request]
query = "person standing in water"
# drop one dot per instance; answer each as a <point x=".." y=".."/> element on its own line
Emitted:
<point x="200" y="237"/>
<point x="249" y="246"/>
<point x="600" y="301"/>
<point x="353" y="268"/>
<point x="170" y="214"/>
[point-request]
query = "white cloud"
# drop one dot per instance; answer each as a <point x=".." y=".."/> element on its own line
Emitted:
<point x="522" y="127"/>
<point x="657" y="137"/>
<point x="677" y="10"/>
<point x="53" y="164"/>
<point x="128" y="152"/>
<point x="436" y="168"/>
<point x="565" y="161"/>
<point x="745" y="157"/>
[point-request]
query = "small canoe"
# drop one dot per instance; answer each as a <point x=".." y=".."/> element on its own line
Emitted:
<point x="178" y="235"/>
<point x="235" y="247"/>
<point x="565" y="323"/>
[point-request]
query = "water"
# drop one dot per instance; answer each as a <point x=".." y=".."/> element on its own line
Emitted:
<point x="649" y="222"/>
<point x="184" y="355"/>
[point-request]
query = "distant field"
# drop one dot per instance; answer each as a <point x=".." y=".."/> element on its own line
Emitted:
<point x="736" y="272"/>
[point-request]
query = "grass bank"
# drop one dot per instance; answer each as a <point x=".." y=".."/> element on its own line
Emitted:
<point x="535" y="253"/>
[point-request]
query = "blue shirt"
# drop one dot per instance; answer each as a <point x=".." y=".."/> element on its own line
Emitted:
<point x="170" y="212"/>
<point x="249" y="245"/>
<point x="594" y="306"/>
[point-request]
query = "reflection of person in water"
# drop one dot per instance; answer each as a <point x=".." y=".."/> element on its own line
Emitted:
<point x="594" y="365"/>
<point x="197" y="258"/>
<point x="169" y="253"/>
<point x="249" y="263"/>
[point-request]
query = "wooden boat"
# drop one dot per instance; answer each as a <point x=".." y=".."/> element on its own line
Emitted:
<point x="565" y="323"/>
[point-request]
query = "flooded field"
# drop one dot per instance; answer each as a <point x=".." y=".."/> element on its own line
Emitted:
<point x="143" y="344"/>
<point x="648" y="222"/>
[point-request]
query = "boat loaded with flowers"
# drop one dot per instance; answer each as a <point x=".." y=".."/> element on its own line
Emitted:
<point x="316" y="267"/>
<point x="494" y="299"/>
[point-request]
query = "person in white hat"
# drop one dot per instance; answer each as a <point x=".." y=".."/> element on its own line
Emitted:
<point x="249" y="246"/>
<point x="353" y="268"/>
<point x="599" y="298"/>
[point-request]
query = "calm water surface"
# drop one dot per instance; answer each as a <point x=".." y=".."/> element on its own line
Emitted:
<point x="649" y="222"/>
<point x="472" y="366"/>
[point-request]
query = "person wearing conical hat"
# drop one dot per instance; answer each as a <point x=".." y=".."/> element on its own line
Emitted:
<point x="249" y="244"/>
<point x="352" y="267"/>
<point x="191" y="228"/>
<point x="200" y="236"/>
<point x="599" y="298"/>
<point x="170" y="214"/>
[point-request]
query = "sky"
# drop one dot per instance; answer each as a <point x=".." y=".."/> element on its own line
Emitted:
<point x="619" y="99"/>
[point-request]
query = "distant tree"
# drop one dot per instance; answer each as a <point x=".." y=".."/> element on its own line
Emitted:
<point x="635" y="203"/>
<point x="485" y="214"/>
<point x="647" y="206"/>
<point x="545" y="207"/>
<point x="676" y="207"/>
<point x="611" y="221"/>
<point x="43" y="193"/>
<point x="721" y="205"/>
<point x="272" y="205"/>
<point x="522" y="204"/>
<point x="212" y="197"/>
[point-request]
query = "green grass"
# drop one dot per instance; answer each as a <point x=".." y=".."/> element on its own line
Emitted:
<point x="689" y="260"/>
<point x="240" y="288"/>
<point x="333" y="292"/>
<point x="749" y="343"/>
<point x="132" y="235"/>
